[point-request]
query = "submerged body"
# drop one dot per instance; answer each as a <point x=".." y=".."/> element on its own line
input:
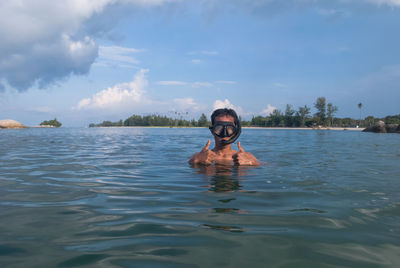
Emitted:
<point x="222" y="153"/>
<point x="224" y="156"/>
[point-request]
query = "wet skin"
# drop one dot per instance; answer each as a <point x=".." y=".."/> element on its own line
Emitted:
<point x="223" y="153"/>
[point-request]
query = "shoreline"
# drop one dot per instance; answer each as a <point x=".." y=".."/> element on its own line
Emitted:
<point x="274" y="128"/>
<point x="309" y="128"/>
<point x="260" y="128"/>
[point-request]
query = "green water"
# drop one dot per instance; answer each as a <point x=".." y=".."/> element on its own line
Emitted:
<point x="126" y="197"/>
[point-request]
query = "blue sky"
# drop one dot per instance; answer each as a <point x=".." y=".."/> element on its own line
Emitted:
<point x="88" y="61"/>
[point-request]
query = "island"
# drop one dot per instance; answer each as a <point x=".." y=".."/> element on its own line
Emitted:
<point x="51" y="123"/>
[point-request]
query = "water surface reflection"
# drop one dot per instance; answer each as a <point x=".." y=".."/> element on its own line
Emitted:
<point x="224" y="178"/>
<point x="127" y="198"/>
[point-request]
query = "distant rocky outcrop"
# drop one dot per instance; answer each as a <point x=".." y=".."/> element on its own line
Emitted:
<point x="381" y="127"/>
<point x="8" y="123"/>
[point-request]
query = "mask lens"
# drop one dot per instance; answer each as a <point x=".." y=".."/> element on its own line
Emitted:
<point x="223" y="129"/>
<point x="230" y="130"/>
<point x="218" y="129"/>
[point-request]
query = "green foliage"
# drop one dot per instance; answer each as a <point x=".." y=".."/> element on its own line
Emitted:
<point x="291" y="118"/>
<point x="53" y="123"/>
<point x="202" y="121"/>
<point x="302" y="115"/>
<point x="370" y="121"/>
<point x="150" y="120"/>
<point x="359" y="107"/>
<point x="320" y="105"/>
<point x="348" y="122"/>
<point x="259" y="121"/>
<point x="277" y="118"/>
<point x="331" y="111"/>
<point x="244" y="123"/>
<point x="392" y="119"/>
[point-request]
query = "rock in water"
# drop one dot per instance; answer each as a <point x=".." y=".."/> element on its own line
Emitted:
<point x="8" y="123"/>
<point x="392" y="128"/>
<point x="381" y="127"/>
<point x="378" y="128"/>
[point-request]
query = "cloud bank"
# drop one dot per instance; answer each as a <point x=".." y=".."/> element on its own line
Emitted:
<point x="131" y="96"/>
<point x="119" y="96"/>
<point x="44" y="41"/>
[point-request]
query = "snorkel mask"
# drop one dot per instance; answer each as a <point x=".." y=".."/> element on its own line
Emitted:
<point x="224" y="129"/>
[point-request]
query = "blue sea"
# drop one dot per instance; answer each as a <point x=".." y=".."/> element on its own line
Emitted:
<point x="126" y="197"/>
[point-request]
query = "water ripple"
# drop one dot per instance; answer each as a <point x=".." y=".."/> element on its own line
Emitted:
<point x="127" y="197"/>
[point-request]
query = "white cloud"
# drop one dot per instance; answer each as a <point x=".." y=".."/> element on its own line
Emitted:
<point x="118" y="96"/>
<point x="226" y="82"/>
<point x="186" y="104"/>
<point x="218" y="104"/>
<point x="44" y="41"/>
<point x="269" y="110"/>
<point x="127" y="98"/>
<point x="171" y="83"/>
<point x="117" y="56"/>
<point x="201" y="84"/>
<point x="386" y="2"/>
<point x="279" y="85"/>
<point x="333" y="14"/>
<point x="182" y="83"/>
<point x="196" y="61"/>
<point x="203" y="52"/>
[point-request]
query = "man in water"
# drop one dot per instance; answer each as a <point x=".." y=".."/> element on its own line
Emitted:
<point x="225" y="129"/>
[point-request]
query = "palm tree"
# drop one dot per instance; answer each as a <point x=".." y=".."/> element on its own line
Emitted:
<point x="359" y="107"/>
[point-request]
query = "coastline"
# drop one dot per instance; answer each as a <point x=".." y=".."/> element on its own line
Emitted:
<point x="309" y="128"/>
<point x="274" y="128"/>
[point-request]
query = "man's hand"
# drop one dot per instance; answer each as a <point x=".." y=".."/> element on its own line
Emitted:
<point x="243" y="158"/>
<point x="205" y="156"/>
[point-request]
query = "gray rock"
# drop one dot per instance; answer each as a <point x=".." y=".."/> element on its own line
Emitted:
<point x="381" y="123"/>
<point x="380" y="127"/>
<point x="392" y="128"/>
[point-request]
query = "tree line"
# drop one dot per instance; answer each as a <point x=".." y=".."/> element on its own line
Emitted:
<point x="302" y="117"/>
<point x="325" y="116"/>
<point x="155" y="120"/>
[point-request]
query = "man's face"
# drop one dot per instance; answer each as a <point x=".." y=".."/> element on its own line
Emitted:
<point x="223" y="118"/>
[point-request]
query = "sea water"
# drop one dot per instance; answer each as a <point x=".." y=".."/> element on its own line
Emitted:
<point x="126" y="197"/>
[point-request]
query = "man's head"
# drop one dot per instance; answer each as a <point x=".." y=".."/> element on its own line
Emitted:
<point x="225" y="125"/>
